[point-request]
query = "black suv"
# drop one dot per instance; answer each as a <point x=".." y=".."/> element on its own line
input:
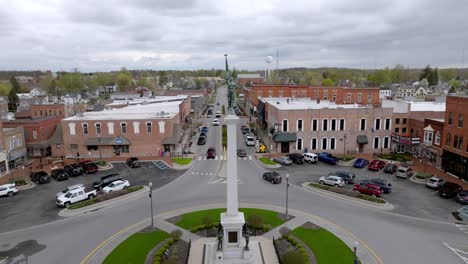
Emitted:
<point x="60" y="174"/>
<point x="106" y="180"/>
<point x="347" y="176"/>
<point x="133" y="162"/>
<point x="272" y="176"/>
<point x="74" y="169"/>
<point x="40" y="177"/>
<point x="201" y="140"/>
<point x="296" y="158"/>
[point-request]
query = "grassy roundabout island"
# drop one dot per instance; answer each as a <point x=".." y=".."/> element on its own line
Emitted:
<point x="307" y="243"/>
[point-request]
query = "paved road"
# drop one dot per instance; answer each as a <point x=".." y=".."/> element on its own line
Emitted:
<point x="395" y="238"/>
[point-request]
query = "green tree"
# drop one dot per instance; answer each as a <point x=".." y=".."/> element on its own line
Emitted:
<point x="397" y="74"/>
<point x="13" y="99"/>
<point x="234" y="73"/>
<point x="124" y="79"/>
<point x="380" y="77"/>
<point x="103" y="78"/>
<point x="327" y="82"/>
<point x="163" y="78"/>
<point x="71" y="82"/>
<point x="447" y="74"/>
<point x="433" y="77"/>
<point x="45" y="82"/>
<point x="4" y="89"/>
<point x="308" y="77"/>
<point x="455" y="84"/>
<point x="198" y="83"/>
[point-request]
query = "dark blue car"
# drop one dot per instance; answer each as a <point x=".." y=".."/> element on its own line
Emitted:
<point x="360" y="163"/>
<point x="204" y="129"/>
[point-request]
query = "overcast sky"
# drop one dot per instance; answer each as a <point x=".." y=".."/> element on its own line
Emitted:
<point x="102" y="35"/>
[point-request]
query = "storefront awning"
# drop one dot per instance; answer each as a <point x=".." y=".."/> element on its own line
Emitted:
<point x="362" y="139"/>
<point x="107" y="141"/>
<point x="284" y="137"/>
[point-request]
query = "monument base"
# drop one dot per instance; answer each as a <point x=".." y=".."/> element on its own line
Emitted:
<point x="232" y="255"/>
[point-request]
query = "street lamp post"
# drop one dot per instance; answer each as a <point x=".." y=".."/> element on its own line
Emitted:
<point x="344" y="145"/>
<point x="100" y="148"/>
<point x="287" y="193"/>
<point x="356" y="244"/>
<point x="151" y="202"/>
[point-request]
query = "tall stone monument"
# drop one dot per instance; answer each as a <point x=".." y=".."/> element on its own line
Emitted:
<point x="232" y="246"/>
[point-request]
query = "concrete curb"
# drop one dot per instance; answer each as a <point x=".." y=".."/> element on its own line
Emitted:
<point x="347" y="163"/>
<point x="266" y="166"/>
<point x="30" y="185"/>
<point x="385" y="207"/>
<point x="413" y="179"/>
<point x="104" y="168"/>
<point x="176" y="166"/>
<point x="105" y="204"/>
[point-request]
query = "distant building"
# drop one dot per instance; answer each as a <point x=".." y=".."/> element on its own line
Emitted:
<point x="249" y="78"/>
<point x="15" y="146"/>
<point x="385" y="93"/>
<point x="110" y="88"/>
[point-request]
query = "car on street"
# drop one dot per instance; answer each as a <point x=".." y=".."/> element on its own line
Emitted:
<point x="348" y="177"/>
<point x="203" y="134"/>
<point x="360" y="163"/>
<point x="376" y="165"/>
<point x="449" y="190"/>
<point x="209" y="115"/>
<point x="296" y="158"/>
<point x="74" y="169"/>
<point x="218" y="114"/>
<point x="116" y="186"/>
<point x="74" y="196"/>
<point x="211" y="153"/>
<point x="133" y="162"/>
<point x="327" y="158"/>
<point x="310" y="157"/>
<point x="245" y="130"/>
<point x="272" y="176"/>
<point x="69" y="188"/>
<point x="462" y="197"/>
<point x="283" y="160"/>
<point x="201" y="140"/>
<point x="215" y="122"/>
<point x="390" y="168"/>
<point x="404" y="172"/>
<point x="435" y="182"/>
<point x="332" y="181"/>
<point x="106" y="180"/>
<point x="384" y="184"/>
<point x="241" y="153"/>
<point x="40" y="177"/>
<point x="249" y="141"/>
<point x="204" y="129"/>
<point x="59" y="174"/>
<point x="8" y="189"/>
<point x="369" y="189"/>
<point x="90" y="167"/>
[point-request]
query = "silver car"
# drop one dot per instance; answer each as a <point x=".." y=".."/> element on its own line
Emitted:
<point x="284" y="160"/>
<point x="435" y="182"/>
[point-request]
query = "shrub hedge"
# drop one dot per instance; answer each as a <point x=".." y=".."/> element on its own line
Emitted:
<point x="347" y="193"/>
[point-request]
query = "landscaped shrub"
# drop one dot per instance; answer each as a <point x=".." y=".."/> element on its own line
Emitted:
<point x="160" y="252"/>
<point x="267" y="161"/>
<point x="134" y="188"/>
<point x="176" y="234"/>
<point x="293" y="257"/>
<point x="284" y="231"/>
<point x="320" y="186"/>
<point x="82" y="204"/>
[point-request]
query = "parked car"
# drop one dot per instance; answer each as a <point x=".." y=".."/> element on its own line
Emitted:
<point x="211" y="153"/>
<point x="133" y="162"/>
<point x="390" y="168"/>
<point x="116" y="186"/>
<point x="106" y="180"/>
<point x="204" y="129"/>
<point x="384" y="184"/>
<point x="332" y="181"/>
<point x="8" y="189"/>
<point x="327" y="158"/>
<point x="462" y="197"/>
<point x="245" y="130"/>
<point x="404" y="172"/>
<point x="435" y="182"/>
<point x="369" y="189"/>
<point x="272" y="176"/>
<point x="348" y="177"/>
<point x="59" y="174"/>
<point x="241" y="153"/>
<point x="283" y="160"/>
<point x="360" y="163"/>
<point x="203" y="134"/>
<point x="69" y="188"/>
<point x="218" y="114"/>
<point x="90" y="168"/>
<point x="74" y="196"/>
<point x="449" y="190"/>
<point x="310" y="157"/>
<point x="296" y="158"/>
<point x="249" y="141"/>
<point x="215" y="122"/>
<point x="376" y="165"/>
<point x="74" y="169"/>
<point x="201" y="140"/>
<point x="40" y="177"/>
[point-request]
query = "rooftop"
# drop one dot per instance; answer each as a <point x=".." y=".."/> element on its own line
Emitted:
<point x="153" y="100"/>
<point x="248" y="75"/>
<point x="283" y="103"/>
<point x="427" y="106"/>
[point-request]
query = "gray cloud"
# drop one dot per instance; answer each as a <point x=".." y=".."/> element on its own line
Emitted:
<point x="191" y="34"/>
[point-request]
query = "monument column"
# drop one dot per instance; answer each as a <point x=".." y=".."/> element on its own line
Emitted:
<point x="231" y="168"/>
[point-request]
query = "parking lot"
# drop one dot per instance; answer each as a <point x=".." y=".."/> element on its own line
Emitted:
<point x="408" y="198"/>
<point x="37" y="205"/>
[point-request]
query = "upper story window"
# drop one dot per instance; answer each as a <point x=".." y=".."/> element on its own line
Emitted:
<point x="333" y="125"/>
<point x="450" y="119"/>
<point x="149" y="127"/>
<point x="342" y="124"/>
<point x="314" y="125"/>
<point x="123" y="127"/>
<point x="437" y="139"/>
<point x="448" y="139"/>
<point x="377" y="124"/>
<point x="363" y="124"/>
<point x="387" y="123"/>
<point x="85" y="128"/>
<point x="299" y="125"/>
<point x="405" y="121"/>
<point x="71" y="126"/>
<point x="460" y="120"/>
<point x="397" y="121"/>
<point x="348" y="98"/>
<point x="325" y="125"/>
<point x="98" y="128"/>
<point x="428" y="136"/>
<point x="285" y="125"/>
<point x="369" y="98"/>
<point x="359" y="97"/>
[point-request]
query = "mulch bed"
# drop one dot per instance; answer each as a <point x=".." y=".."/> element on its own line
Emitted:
<point x="174" y="220"/>
<point x="179" y="250"/>
<point x="283" y="246"/>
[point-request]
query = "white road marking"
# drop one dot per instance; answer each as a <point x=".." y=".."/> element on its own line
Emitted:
<point x="216" y="157"/>
<point x="250" y="157"/>
<point x="211" y="173"/>
<point x="200" y="158"/>
<point x="457" y="252"/>
<point x="5" y="204"/>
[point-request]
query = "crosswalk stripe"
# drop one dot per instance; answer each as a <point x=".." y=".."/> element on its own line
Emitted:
<point x="200" y="158"/>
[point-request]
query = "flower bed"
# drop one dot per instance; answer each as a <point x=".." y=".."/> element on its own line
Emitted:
<point x="104" y="197"/>
<point x="348" y="193"/>
<point x="182" y="161"/>
<point x="267" y="161"/>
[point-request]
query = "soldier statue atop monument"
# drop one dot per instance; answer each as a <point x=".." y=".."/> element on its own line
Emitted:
<point x="231" y="86"/>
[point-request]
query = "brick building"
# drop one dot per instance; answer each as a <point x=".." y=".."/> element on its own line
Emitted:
<point x="247" y="79"/>
<point x="455" y="137"/>
<point x="431" y="150"/>
<point x="301" y="124"/>
<point x="141" y="130"/>
<point x="43" y="110"/>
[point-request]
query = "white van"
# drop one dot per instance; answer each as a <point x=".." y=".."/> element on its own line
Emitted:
<point x="404" y="172"/>
<point x="310" y="157"/>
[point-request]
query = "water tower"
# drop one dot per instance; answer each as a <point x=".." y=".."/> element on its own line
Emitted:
<point x="268" y="60"/>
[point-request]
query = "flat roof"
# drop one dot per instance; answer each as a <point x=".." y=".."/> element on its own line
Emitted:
<point x="427" y="106"/>
<point x="282" y="103"/>
<point x="144" y="111"/>
<point x="152" y="100"/>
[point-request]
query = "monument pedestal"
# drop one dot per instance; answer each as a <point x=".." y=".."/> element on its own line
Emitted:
<point x="232" y="255"/>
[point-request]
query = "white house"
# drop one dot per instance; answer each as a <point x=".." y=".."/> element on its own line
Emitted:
<point x="385" y="93"/>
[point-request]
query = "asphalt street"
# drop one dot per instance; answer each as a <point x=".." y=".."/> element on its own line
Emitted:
<point x="395" y="238"/>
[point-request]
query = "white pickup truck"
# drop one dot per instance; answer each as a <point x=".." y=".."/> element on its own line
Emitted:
<point x="74" y="196"/>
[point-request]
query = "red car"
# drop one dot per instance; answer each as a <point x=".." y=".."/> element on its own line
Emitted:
<point x="376" y="165"/>
<point x="211" y="153"/>
<point x="369" y="189"/>
<point x="88" y="166"/>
